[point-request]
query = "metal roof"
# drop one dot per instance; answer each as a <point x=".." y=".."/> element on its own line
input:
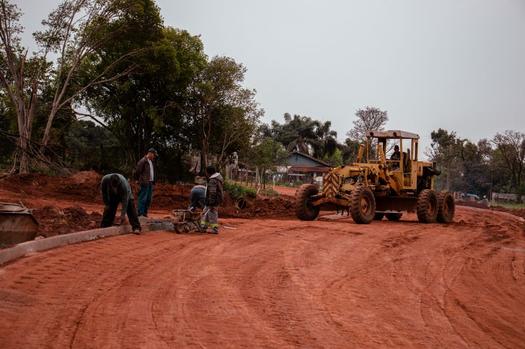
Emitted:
<point x="319" y="162"/>
<point x="392" y="134"/>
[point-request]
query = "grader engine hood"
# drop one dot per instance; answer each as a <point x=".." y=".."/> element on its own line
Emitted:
<point x="345" y="178"/>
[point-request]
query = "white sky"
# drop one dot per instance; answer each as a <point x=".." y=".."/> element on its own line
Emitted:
<point x="454" y="64"/>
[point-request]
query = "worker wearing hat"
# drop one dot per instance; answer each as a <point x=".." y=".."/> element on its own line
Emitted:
<point x="146" y="174"/>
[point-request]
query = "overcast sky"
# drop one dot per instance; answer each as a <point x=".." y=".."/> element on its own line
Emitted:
<point x="454" y="64"/>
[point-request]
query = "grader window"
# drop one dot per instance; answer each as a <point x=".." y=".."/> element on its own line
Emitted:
<point x="393" y="153"/>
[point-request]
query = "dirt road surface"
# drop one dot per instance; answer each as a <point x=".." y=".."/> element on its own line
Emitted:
<point x="277" y="284"/>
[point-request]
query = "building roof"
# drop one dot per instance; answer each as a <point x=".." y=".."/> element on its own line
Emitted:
<point x="310" y="160"/>
<point x="392" y="134"/>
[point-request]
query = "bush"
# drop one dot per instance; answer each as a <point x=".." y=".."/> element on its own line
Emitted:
<point x="269" y="192"/>
<point x="238" y="191"/>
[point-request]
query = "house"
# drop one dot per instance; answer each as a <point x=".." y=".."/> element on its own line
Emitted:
<point x="301" y="167"/>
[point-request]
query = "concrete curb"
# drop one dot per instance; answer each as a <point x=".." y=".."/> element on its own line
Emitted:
<point x="25" y="248"/>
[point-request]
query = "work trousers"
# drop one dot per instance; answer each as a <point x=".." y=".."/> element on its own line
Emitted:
<point x="210" y="217"/>
<point x="110" y="210"/>
<point x="145" y="195"/>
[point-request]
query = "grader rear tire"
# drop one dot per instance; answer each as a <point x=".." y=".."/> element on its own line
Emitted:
<point x="427" y="206"/>
<point x="394" y="216"/>
<point x="362" y="205"/>
<point x="303" y="208"/>
<point x="446" y="207"/>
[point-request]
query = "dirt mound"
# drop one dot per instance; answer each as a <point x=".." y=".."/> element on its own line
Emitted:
<point x="60" y="203"/>
<point x="260" y="207"/>
<point x="54" y="221"/>
<point x="83" y="186"/>
<point x="169" y="196"/>
<point x="89" y="177"/>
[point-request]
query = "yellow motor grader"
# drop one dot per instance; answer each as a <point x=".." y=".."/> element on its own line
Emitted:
<point x="385" y="180"/>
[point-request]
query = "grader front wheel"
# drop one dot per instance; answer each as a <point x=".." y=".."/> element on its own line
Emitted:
<point x="362" y="205"/>
<point x="304" y="210"/>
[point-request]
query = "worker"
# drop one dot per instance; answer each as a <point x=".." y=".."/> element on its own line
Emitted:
<point x="214" y="197"/>
<point x="198" y="194"/>
<point x="116" y="190"/>
<point x="396" y="155"/>
<point x="145" y="173"/>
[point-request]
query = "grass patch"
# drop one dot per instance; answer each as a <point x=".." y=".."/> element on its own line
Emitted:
<point x="238" y="191"/>
<point x="269" y="192"/>
<point x="511" y="205"/>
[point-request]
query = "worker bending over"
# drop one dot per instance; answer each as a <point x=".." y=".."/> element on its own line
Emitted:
<point x="116" y="190"/>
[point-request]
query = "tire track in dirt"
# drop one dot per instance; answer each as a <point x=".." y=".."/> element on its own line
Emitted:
<point x="277" y="283"/>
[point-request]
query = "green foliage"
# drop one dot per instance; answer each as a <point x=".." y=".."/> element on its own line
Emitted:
<point x="144" y="108"/>
<point x="267" y="154"/>
<point x="269" y="192"/>
<point x="303" y="134"/>
<point x="238" y="191"/>
<point x="336" y="159"/>
<point x="222" y="114"/>
<point x="92" y="147"/>
<point x="479" y="168"/>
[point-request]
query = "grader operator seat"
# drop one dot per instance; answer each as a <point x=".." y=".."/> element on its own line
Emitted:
<point x="406" y="162"/>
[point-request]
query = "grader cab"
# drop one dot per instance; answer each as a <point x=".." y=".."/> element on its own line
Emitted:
<point x="386" y="180"/>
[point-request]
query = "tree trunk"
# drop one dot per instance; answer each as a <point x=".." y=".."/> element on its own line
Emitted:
<point x="24" y="158"/>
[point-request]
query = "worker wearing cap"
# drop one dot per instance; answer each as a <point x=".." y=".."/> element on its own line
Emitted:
<point x="146" y="174"/>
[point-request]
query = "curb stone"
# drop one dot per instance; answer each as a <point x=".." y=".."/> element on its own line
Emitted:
<point x="25" y="248"/>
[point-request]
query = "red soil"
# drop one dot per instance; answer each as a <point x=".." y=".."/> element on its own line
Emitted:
<point x="68" y="204"/>
<point x="278" y="284"/>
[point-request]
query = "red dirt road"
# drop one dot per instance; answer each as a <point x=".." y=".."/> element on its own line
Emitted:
<point x="275" y="284"/>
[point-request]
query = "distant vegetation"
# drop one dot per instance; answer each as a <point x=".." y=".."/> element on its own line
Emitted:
<point x="110" y="79"/>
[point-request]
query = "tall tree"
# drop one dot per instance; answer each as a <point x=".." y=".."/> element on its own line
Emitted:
<point x="368" y="119"/>
<point x="20" y="77"/>
<point x="303" y="134"/>
<point x="72" y="33"/>
<point x="147" y="108"/>
<point x="445" y="150"/>
<point x="511" y="146"/>
<point x="218" y="89"/>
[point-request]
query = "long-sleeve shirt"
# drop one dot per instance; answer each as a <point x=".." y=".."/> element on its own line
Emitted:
<point x="123" y="193"/>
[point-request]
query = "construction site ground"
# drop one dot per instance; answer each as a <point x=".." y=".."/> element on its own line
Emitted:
<point x="270" y="281"/>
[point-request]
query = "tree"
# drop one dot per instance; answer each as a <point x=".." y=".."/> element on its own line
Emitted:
<point x="235" y="127"/>
<point x="169" y="61"/>
<point x="219" y="104"/>
<point x="72" y="32"/>
<point x="510" y="145"/>
<point x="266" y="154"/>
<point x="304" y="134"/>
<point x="445" y="150"/>
<point x="20" y="78"/>
<point x="368" y="119"/>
